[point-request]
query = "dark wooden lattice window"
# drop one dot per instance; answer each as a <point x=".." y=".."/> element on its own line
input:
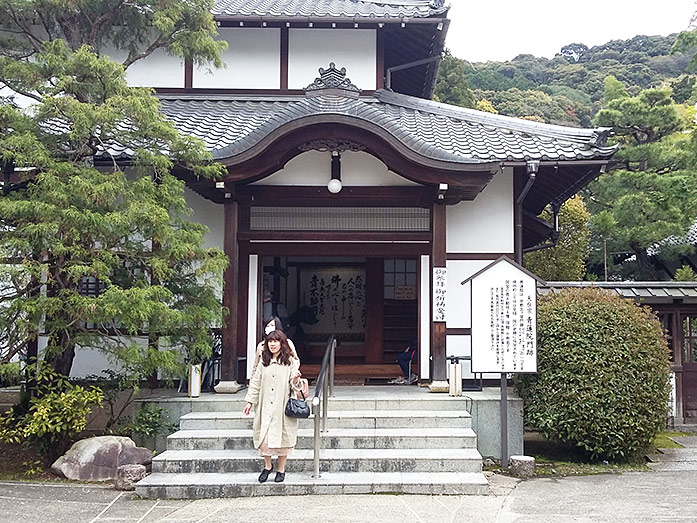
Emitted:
<point x="689" y="326"/>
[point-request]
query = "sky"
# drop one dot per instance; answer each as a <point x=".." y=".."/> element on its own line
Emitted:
<point x="499" y="30"/>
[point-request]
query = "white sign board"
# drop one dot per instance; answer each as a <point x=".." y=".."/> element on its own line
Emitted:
<point x="504" y="319"/>
<point x="440" y="301"/>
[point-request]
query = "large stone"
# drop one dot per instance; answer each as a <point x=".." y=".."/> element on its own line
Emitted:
<point x="522" y="466"/>
<point x="128" y="475"/>
<point x="98" y="458"/>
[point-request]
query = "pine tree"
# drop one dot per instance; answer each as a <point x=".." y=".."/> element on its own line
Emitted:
<point x="93" y="227"/>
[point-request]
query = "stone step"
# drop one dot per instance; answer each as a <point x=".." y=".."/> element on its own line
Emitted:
<point x="431" y="438"/>
<point x="357" y="419"/>
<point x="235" y="403"/>
<point x="245" y="484"/>
<point x="331" y="460"/>
<point x="9" y="396"/>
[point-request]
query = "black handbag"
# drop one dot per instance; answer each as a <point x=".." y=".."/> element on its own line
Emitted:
<point x="297" y="408"/>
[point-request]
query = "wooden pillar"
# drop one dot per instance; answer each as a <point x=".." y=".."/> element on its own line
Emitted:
<point x="678" y="360"/>
<point x="438" y="363"/>
<point x="230" y="292"/>
<point x="374" y="300"/>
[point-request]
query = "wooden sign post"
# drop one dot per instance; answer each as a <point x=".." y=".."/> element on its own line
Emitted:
<point x="504" y="327"/>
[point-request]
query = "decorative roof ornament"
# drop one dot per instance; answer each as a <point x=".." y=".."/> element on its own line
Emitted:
<point x="330" y="145"/>
<point x="600" y="136"/>
<point x="332" y="78"/>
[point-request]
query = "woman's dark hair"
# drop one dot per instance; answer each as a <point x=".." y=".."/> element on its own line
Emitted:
<point x="284" y="356"/>
<point x="277" y="324"/>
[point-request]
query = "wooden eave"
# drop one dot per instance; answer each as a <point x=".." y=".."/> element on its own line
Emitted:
<point x="271" y="154"/>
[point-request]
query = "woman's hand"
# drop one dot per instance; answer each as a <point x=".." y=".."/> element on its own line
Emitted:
<point x="296" y="376"/>
<point x="247" y="409"/>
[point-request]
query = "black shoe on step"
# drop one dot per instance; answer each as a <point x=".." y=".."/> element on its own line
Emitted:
<point x="264" y="475"/>
<point x="280" y="476"/>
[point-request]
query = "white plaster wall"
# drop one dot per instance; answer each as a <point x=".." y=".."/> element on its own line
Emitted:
<point x="486" y="223"/>
<point x="310" y="49"/>
<point x="357" y="169"/>
<point x="157" y="70"/>
<point x="459" y="311"/>
<point x="210" y="214"/>
<point x="22" y="101"/>
<point x="252" y="59"/>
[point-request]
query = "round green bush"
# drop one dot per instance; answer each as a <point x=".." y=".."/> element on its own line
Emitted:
<point x="603" y="369"/>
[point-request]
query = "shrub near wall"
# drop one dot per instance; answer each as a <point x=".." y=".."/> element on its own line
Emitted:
<point x="603" y="373"/>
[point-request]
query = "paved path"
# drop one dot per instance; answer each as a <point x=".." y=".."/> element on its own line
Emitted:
<point x="666" y="494"/>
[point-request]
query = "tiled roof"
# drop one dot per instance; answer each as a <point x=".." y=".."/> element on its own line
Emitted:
<point x="233" y="125"/>
<point x="329" y="8"/>
<point x="645" y="291"/>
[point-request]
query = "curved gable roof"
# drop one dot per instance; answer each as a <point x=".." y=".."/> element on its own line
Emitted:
<point x="234" y="126"/>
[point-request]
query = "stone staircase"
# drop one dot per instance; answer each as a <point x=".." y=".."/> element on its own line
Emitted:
<point x="414" y="446"/>
<point x="8" y="398"/>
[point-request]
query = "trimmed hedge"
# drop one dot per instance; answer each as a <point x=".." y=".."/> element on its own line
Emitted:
<point x="603" y="369"/>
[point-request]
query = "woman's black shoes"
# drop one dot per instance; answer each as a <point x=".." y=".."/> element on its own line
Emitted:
<point x="280" y="476"/>
<point x="265" y="475"/>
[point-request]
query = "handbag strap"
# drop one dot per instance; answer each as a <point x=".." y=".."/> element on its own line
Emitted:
<point x="290" y="393"/>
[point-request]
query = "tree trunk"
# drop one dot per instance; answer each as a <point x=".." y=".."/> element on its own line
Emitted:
<point x="62" y="363"/>
<point x="647" y="271"/>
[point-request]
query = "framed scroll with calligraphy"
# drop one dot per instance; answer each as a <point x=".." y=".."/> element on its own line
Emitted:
<point x="337" y="296"/>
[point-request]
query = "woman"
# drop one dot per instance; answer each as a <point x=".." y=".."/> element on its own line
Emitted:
<point x="274" y="432"/>
<point x="274" y="324"/>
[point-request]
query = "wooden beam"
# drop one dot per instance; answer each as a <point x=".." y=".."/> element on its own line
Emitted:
<point x="357" y="196"/>
<point x="284" y="57"/>
<point x="380" y="60"/>
<point x="438" y="259"/>
<point x="307" y="248"/>
<point x="229" y="369"/>
<point x="336" y="236"/>
<point x="188" y="74"/>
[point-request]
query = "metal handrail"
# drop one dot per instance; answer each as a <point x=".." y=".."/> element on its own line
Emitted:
<point x="324" y="389"/>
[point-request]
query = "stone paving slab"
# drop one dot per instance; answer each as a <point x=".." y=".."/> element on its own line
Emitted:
<point x="645" y="497"/>
<point x="689" y="442"/>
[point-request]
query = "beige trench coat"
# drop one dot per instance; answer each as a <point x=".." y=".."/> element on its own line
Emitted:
<point x="268" y="393"/>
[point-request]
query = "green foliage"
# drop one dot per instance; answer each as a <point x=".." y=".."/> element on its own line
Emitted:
<point x="613" y="90"/>
<point x="452" y="87"/>
<point x="55" y="415"/>
<point x="684" y="88"/>
<point x="85" y="216"/>
<point x="642" y="119"/>
<point x="566" y="261"/>
<point x="486" y="106"/>
<point x="685" y="273"/>
<point x="652" y="193"/>
<point x="686" y="42"/>
<point x="150" y="421"/>
<point x="603" y="368"/>
<point x="556" y="109"/>
<point x="10" y="374"/>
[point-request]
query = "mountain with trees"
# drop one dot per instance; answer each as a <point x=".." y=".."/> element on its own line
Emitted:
<point x="644" y="88"/>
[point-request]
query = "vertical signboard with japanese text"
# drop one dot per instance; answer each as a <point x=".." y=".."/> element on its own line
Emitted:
<point x="504" y="319"/>
<point x="440" y="296"/>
